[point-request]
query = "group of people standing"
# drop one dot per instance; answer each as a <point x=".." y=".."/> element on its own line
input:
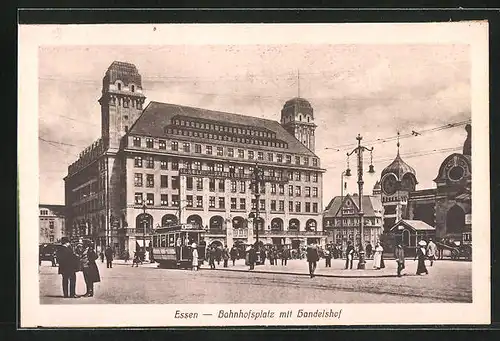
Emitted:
<point x="82" y="258"/>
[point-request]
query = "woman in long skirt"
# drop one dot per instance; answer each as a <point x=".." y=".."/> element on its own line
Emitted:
<point x="421" y="268"/>
<point x="377" y="256"/>
<point x="195" y="257"/>
<point x="89" y="267"/>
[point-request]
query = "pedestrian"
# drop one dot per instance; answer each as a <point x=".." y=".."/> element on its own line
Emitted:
<point x="420" y="254"/>
<point x="211" y="258"/>
<point x="312" y="257"/>
<point x="68" y="265"/>
<point x="234" y="254"/>
<point x="126" y="256"/>
<point x="218" y="254"/>
<point x="399" y="255"/>
<point x="252" y="256"/>
<point x="369" y="250"/>
<point x="275" y="255"/>
<point x="328" y="258"/>
<point x="377" y="256"/>
<point x="262" y="254"/>
<point x="271" y="256"/>
<point x="89" y="267"/>
<point x="137" y="259"/>
<point x="195" y="257"/>
<point x="178" y="245"/>
<point x="431" y="251"/>
<point x="349" y="255"/>
<point x="225" y="255"/>
<point x="109" y="256"/>
<point x="101" y="255"/>
<point x="285" y="254"/>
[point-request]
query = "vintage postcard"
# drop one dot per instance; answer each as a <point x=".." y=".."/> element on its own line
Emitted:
<point x="235" y="175"/>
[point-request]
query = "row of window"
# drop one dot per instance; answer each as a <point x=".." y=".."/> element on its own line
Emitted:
<point x="149" y="162"/>
<point x="187" y="147"/>
<point x="220" y="203"/>
<point x="235" y="186"/>
<point x="352" y="222"/>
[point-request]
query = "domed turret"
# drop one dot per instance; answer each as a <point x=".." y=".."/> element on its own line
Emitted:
<point x="297" y="117"/>
<point x="399" y="168"/>
<point x="298" y="105"/>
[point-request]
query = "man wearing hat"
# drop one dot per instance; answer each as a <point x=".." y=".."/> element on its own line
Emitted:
<point x="68" y="265"/>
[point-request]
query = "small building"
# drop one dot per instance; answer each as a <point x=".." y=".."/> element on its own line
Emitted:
<point x="409" y="233"/>
<point x="51" y="223"/>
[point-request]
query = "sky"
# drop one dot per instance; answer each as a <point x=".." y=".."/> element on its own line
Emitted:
<point x="372" y="90"/>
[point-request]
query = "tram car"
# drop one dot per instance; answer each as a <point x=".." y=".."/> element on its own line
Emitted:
<point x="172" y="245"/>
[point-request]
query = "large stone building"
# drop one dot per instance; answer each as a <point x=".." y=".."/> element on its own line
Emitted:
<point x="51" y="223"/>
<point x="168" y="163"/>
<point x="341" y="219"/>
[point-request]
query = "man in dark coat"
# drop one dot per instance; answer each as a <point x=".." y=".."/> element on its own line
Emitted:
<point x="252" y="257"/>
<point x="89" y="268"/>
<point x="109" y="256"/>
<point x="68" y="265"/>
<point x="349" y="255"/>
<point x="234" y="254"/>
<point x="312" y="258"/>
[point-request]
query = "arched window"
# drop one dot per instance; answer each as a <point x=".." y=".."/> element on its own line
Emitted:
<point x="277" y="224"/>
<point x="216" y="222"/>
<point x="132" y="88"/>
<point x="168" y="219"/>
<point x="195" y="220"/>
<point x="119" y="86"/>
<point x="238" y="223"/>
<point x="311" y="225"/>
<point x="143" y="221"/>
<point x="293" y="225"/>
<point x="406" y="238"/>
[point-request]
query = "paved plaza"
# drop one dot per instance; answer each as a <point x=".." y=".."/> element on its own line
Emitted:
<point x="448" y="281"/>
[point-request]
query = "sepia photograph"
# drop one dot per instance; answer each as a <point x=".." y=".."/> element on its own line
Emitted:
<point x="254" y="174"/>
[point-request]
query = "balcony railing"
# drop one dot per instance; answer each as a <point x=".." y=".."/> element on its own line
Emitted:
<point x="294" y="233"/>
<point x="215" y="231"/>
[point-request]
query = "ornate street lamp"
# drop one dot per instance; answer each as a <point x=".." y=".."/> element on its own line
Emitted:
<point x="359" y="151"/>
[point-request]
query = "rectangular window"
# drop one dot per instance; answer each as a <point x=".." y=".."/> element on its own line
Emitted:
<point x="150" y="163"/>
<point x="290" y="175"/>
<point x="175" y="200"/>
<point x="297" y="191"/>
<point x="164" y="199"/>
<point x="306" y="161"/>
<point x="243" y="204"/>
<point x="174" y="146"/>
<point x="315" y="177"/>
<point x="137" y="141"/>
<point x="298" y="176"/>
<point x="297" y="160"/>
<point x="270" y="157"/>
<point x="163" y="181"/>
<point x="290" y="190"/>
<point x="251" y="155"/>
<point x="242" y="186"/>
<point x="231" y="169"/>
<point x="163" y="164"/>
<point x="254" y="206"/>
<point x="199" y="184"/>
<point x="260" y="156"/>
<point x="186" y="147"/>
<point x="233" y="186"/>
<point x="211" y="202"/>
<point x="262" y="204"/>
<point x="149" y="142"/>
<point x="44" y="212"/>
<point x="208" y="150"/>
<point x="199" y="201"/>
<point x="138" y="180"/>
<point x="197" y="165"/>
<point x="308" y="176"/>
<point x="162" y="144"/>
<point x="175" y="182"/>
<point x="281" y="206"/>
<point x="188" y="164"/>
<point x="150" y="180"/>
<point x="315" y="192"/>
<point x="272" y="173"/>
<point x="189" y="183"/>
<point x="150" y="199"/>
<point x="211" y="185"/>
<point x="220" y="151"/>
<point x="315" y="207"/>
<point x="230" y="152"/>
<point x="138" y="198"/>
<point x="307" y="191"/>
<point x="233" y="203"/>
<point x="175" y="164"/>
<point x="189" y="200"/>
<point x="241" y="170"/>
<point x="288" y="159"/>
<point x="222" y="186"/>
<point x="222" y="202"/>
<point x="273" y="188"/>
<point x="197" y="148"/>
<point x="297" y="207"/>
<point x="290" y="206"/>
<point x="308" y="207"/>
<point x="315" y="162"/>
<point x="273" y="205"/>
<point x="219" y="167"/>
<point x="281" y="189"/>
<point x="138" y="161"/>
<point x="241" y="153"/>
<point x="279" y="158"/>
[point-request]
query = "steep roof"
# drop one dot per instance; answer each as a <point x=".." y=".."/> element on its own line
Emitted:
<point x="372" y="205"/>
<point x="158" y="115"/>
<point x="417" y="225"/>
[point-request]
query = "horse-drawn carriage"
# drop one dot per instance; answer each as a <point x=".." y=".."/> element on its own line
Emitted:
<point x="455" y="248"/>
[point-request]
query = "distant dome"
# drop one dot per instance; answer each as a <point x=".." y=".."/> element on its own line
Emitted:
<point x="399" y="168"/>
<point x="377" y="185"/>
<point x="299" y="104"/>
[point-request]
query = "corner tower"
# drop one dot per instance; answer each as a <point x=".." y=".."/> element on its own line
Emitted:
<point x="121" y="101"/>
<point x="297" y="117"/>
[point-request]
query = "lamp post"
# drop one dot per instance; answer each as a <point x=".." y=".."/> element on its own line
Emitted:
<point x="144" y="222"/>
<point x="347" y="172"/>
<point x="258" y="180"/>
<point x="359" y="151"/>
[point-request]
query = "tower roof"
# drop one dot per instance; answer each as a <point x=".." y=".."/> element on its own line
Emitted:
<point x="377" y="185"/>
<point x="299" y="104"/>
<point x="125" y="72"/>
<point x="399" y="168"/>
